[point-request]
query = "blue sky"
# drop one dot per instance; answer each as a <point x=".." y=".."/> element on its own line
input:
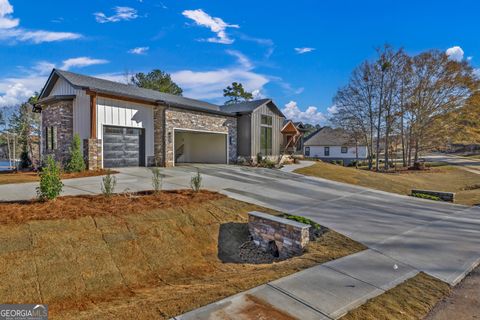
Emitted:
<point x="296" y="52"/>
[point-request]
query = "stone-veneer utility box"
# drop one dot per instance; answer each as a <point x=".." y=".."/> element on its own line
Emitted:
<point x="290" y="237"/>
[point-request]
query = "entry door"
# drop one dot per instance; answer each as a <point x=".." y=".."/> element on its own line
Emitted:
<point x="123" y="147"/>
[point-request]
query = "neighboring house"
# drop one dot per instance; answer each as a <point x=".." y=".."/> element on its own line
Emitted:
<point x="293" y="136"/>
<point x="123" y="125"/>
<point x="330" y="144"/>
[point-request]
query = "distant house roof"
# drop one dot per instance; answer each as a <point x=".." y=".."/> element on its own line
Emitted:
<point x="250" y="106"/>
<point x="124" y="90"/>
<point x="327" y="136"/>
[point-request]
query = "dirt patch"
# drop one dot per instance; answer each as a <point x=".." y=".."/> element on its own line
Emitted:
<point x="412" y="299"/>
<point x="71" y="207"/>
<point x="257" y="309"/>
<point x="23" y="177"/>
<point x="462" y="303"/>
<point x="142" y="259"/>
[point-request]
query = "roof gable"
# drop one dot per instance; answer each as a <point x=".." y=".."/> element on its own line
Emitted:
<point x="250" y="106"/>
<point x="327" y="136"/>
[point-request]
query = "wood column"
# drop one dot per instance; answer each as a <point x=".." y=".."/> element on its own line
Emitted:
<point x="93" y="116"/>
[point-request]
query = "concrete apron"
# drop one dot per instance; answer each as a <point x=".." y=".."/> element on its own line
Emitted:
<point x="326" y="291"/>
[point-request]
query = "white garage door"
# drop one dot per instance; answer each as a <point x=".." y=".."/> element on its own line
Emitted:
<point x="200" y="147"/>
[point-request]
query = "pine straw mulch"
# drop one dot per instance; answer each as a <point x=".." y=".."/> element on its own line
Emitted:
<point x="72" y="207"/>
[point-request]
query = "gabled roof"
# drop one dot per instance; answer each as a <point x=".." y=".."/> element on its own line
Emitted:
<point x="250" y="106"/>
<point x="80" y="81"/>
<point x="327" y="136"/>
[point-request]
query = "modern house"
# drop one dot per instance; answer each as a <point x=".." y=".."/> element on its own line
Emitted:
<point x="331" y="144"/>
<point x="293" y="137"/>
<point x="124" y="125"/>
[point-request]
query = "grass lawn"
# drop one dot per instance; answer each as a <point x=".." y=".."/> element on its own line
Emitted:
<point x="411" y="300"/>
<point x="22" y="177"/>
<point x="465" y="184"/>
<point x="135" y="256"/>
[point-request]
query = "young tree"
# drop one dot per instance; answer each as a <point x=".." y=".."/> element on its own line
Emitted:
<point x="236" y="93"/>
<point x="156" y="80"/>
<point x="76" y="163"/>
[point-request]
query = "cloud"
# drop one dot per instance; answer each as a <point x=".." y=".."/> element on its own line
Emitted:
<point x="332" y="110"/>
<point x="310" y="115"/>
<point x="241" y="58"/>
<point x="304" y="50"/>
<point x="81" y="62"/>
<point x="455" y="53"/>
<point x="216" y="25"/>
<point x="139" y="50"/>
<point x="121" y="14"/>
<point x="16" y="90"/>
<point x="10" y="30"/>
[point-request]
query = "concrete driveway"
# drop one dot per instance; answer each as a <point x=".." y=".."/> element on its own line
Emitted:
<point x="405" y="235"/>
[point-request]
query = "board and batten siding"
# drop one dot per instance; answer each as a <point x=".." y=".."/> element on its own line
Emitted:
<point x="120" y="113"/>
<point x="81" y="107"/>
<point x="277" y="124"/>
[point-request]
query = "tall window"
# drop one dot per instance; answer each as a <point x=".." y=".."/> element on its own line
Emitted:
<point x="266" y="135"/>
<point x="326" y="151"/>
<point x="51" y="138"/>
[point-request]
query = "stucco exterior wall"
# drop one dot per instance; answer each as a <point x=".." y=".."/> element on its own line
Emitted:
<point x="193" y="120"/>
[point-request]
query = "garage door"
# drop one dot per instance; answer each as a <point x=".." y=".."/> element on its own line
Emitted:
<point x="123" y="147"/>
<point x="200" y="147"/>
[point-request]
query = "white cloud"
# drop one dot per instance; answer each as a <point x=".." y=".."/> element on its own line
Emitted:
<point x="332" y="110"/>
<point x="14" y="91"/>
<point x="121" y="14"/>
<point x="310" y="115"/>
<point x="10" y="30"/>
<point x="139" y="50"/>
<point x="81" y="62"/>
<point x="241" y="58"/>
<point x="304" y="50"/>
<point x="216" y="25"/>
<point x="455" y="53"/>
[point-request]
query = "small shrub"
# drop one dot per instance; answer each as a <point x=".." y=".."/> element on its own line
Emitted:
<point x="196" y="182"/>
<point x="76" y="163"/>
<point x="259" y="158"/>
<point x="50" y="183"/>
<point x="108" y="184"/>
<point x="267" y="163"/>
<point x="315" y="231"/>
<point x="426" y="196"/>
<point x="156" y="179"/>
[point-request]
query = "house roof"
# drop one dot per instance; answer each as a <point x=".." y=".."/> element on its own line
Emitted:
<point x="250" y="106"/>
<point x="327" y="136"/>
<point x="80" y="81"/>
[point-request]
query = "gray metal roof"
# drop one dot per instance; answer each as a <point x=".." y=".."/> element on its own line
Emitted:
<point x="125" y="90"/>
<point x="327" y="136"/>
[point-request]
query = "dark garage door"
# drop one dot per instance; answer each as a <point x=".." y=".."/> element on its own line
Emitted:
<point x="123" y="147"/>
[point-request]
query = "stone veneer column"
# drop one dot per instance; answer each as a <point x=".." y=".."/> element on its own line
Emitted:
<point x="92" y="149"/>
<point x="60" y="116"/>
<point x="158" y="137"/>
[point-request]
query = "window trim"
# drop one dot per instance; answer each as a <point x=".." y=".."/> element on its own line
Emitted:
<point x="307" y="151"/>
<point x="269" y="119"/>
<point x="344" y="148"/>
<point x="326" y="151"/>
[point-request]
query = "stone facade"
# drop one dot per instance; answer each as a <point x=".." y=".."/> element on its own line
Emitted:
<point x="158" y="137"/>
<point x="60" y="117"/>
<point x="193" y="120"/>
<point x="92" y="151"/>
<point x="270" y="232"/>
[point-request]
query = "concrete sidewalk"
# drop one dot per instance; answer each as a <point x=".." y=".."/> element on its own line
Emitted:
<point x="327" y="291"/>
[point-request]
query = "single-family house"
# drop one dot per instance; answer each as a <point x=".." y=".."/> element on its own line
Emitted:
<point x="333" y="144"/>
<point x="293" y="137"/>
<point x="124" y="125"/>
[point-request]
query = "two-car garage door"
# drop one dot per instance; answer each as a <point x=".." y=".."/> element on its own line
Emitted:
<point x="123" y="147"/>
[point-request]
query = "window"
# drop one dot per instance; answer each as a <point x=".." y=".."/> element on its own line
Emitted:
<point x="344" y="149"/>
<point x="266" y="141"/>
<point x="326" y="151"/>
<point x="51" y="138"/>
<point x="266" y="120"/>
<point x="307" y="151"/>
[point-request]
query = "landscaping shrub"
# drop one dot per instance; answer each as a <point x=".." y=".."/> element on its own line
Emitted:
<point x="108" y="184"/>
<point x="316" y="230"/>
<point x="25" y="161"/>
<point x="76" y="163"/>
<point x="50" y="183"/>
<point x="259" y="158"/>
<point x="425" y="196"/>
<point x="156" y="179"/>
<point x="196" y="182"/>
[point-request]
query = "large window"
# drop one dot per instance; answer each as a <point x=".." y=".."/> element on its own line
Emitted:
<point x="266" y="135"/>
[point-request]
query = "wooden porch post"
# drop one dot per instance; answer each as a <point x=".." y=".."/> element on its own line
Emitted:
<point x="93" y="116"/>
